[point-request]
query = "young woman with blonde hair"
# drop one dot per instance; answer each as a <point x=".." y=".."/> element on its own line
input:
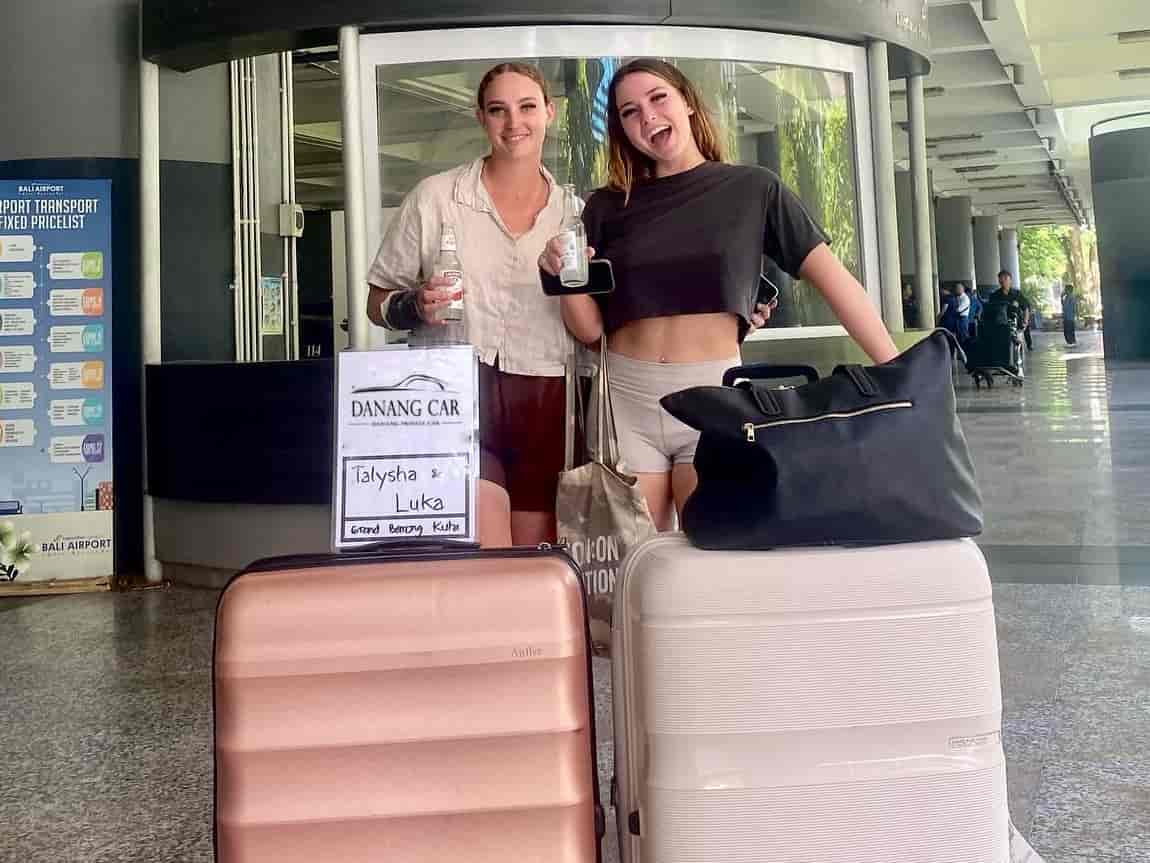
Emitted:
<point x="503" y="206"/>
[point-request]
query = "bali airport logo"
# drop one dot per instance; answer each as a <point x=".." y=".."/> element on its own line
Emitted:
<point x="414" y="397"/>
<point x="40" y="189"/>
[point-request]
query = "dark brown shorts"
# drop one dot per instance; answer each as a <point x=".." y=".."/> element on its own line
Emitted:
<point x="521" y="435"/>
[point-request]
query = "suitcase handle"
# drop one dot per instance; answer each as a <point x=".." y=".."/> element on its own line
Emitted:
<point x="768" y="371"/>
<point x="413" y="545"/>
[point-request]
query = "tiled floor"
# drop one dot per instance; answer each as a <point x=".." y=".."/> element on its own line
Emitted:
<point x="105" y="702"/>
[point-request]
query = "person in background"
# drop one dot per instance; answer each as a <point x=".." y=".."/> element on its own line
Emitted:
<point x="1007" y="304"/>
<point x="686" y="233"/>
<point x="503" y="207"/>
<point x="956" y="313"/>
<point x="975" y="314"/>
<point x="909" y="308"/>
<point x="1069" y="315"/>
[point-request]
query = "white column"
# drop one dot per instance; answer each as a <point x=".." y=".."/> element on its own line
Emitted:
<point x="987" y="260"/>
<point x="150" y="332"/>
<point x="920" y="200"/>
<point x="883" y="138"/>
<point x="1008" y="253"/>
<point x="356" y="209"/>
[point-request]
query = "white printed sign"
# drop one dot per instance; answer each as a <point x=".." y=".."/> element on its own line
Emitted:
<point x="76" y="376"/>
<point x="17" y="397"/>
<point x="407" y="445"/>
<point x="76" y="412"/>
<point x="17" y="286"/>
<point x="17" y="432"/>
<point x="20" y="248"/>
<point x="76" y="301"/>
<point x="17" y="359"/>
<point x="271" y="306"/>
<point x="77" y="449"/>
<point x="86" y="338"/>
<point x="76" y="265"/>
<point x="17" y="322"/>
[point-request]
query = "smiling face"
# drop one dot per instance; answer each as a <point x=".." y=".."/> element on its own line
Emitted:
<point x="656" y="119"/>
<point x="515" y="113"/>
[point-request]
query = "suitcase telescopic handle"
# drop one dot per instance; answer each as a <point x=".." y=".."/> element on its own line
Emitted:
<point x="768" y="371"/>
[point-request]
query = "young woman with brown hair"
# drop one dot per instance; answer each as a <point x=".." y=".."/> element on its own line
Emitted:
<point x="685" y="233"/>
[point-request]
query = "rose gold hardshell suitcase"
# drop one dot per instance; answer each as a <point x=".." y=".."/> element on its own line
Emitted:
<point x="405" y="706"/>
<point x="817" y="705"/>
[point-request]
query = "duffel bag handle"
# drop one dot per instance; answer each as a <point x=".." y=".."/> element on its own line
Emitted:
<point x="863" y="382"/>
<point x="768" y="371"/>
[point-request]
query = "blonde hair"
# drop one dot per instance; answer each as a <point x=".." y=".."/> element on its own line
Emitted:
<point x="524" y="69"/>
<point x="625" y="164"/>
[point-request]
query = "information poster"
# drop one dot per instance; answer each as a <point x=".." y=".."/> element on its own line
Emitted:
<point x="271" y="306"/>
<point x="56" y="494"/>
<point x="407" y="445"/>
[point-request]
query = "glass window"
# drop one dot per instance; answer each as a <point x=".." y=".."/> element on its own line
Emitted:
<point x="794" y="120"/>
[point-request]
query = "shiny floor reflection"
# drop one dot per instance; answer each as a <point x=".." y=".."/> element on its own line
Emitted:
<point x="105" y="745"/>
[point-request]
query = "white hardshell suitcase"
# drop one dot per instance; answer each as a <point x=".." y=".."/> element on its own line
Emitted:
<point x="824" y="705"/>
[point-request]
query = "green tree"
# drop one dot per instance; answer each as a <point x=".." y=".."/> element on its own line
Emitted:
<point x="1082" y="256"/>
<point x="816" y="159"/>
<point x="1041" y="253"/>
<point x="1041" y="260"/>
<point x="578" y="148"/>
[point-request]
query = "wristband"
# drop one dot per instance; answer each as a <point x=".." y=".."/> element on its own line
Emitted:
<point x="400" y="310"/>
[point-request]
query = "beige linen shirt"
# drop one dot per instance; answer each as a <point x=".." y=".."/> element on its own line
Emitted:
<point x="507" y="314"/>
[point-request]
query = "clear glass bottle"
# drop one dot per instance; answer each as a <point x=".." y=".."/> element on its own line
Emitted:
<point x="573" y="273"/>
<point x="447" y="264"/>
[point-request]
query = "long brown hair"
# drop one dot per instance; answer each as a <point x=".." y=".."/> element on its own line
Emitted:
<point x="625" y="164"/>
<point x="524" y="69"/>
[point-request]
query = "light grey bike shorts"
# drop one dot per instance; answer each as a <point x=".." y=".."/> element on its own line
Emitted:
<point x="650" y="439"/>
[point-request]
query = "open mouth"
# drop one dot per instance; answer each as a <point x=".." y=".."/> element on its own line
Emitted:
<point x="660" y="137"/>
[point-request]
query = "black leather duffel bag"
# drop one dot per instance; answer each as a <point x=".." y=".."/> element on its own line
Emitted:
<point x="869" y="455"/>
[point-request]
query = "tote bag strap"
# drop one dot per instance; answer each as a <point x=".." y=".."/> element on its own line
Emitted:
<point x="571" y="380"/>
<point x="607" y="440"/>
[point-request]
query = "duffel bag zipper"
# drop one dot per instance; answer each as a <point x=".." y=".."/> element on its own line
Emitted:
<point x="749" y="428"/>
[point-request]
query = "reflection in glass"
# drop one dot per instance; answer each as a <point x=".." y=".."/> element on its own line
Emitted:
<point x="796" y="121"/>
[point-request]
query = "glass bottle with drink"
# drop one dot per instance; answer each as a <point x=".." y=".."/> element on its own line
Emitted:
<point x="447" y="265"/>
<point x="573" y="272"/>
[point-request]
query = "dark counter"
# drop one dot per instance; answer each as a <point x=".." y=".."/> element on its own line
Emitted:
<point x="241" y="432"/>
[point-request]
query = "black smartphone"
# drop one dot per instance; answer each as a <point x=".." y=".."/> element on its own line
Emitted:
<point x="600" y="280"/>
<point x="768" y="291"/>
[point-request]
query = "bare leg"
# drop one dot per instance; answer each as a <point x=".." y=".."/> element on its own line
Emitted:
<point x="683" y="482"/>
<point x="494" y="515"/>
<point x="656" y="488"/>
<point x="532" y="528"/>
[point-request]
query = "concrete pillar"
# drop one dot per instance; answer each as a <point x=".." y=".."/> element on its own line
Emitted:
<point x="1008" y="254"/>
<point x="924" y="290"/>
<point x="987" y="261"/>
<point x="883" y="137"/>
<point x="934" y="238"/>
<point x="1120" y="176"/>
<point x="359" y="327"/>
<point x="955" y="242"/>
<point x="902" y="196"/>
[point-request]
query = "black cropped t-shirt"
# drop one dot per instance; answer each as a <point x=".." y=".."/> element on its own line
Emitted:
<point x="691" y="243"/>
